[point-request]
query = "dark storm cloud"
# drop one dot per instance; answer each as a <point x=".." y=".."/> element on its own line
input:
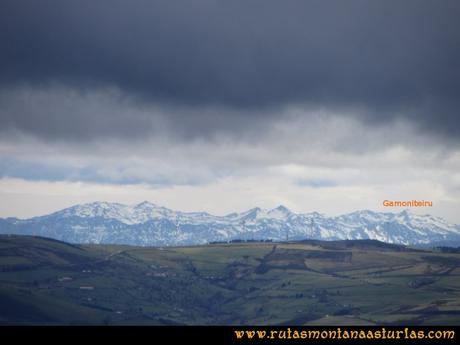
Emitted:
<point x="390" y="58"/>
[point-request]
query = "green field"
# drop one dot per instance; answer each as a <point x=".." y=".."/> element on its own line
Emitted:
<point x="43" y="281"/>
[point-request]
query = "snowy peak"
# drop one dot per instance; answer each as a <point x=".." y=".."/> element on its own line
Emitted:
<point x="281" y="209"/>
<point x="145" y="205"/>
<point x="425" y="221"/>
<point x="252" y="214"/>
<point x="281" y="213"/>
<point x="94" y="209"/>
<point x="127" y="214"/>
<point x="146" y="223"/>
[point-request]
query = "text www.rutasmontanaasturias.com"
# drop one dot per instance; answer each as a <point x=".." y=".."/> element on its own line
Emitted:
<point x="343" y="333"/>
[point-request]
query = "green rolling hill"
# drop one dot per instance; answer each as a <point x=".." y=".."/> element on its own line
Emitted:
<point x="43" y="281"/>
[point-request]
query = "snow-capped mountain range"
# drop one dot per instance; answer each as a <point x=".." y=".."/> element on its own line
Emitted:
<point x="147" y="224"/>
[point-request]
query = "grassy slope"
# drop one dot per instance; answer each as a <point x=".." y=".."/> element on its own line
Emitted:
<point x="255" y="283"/>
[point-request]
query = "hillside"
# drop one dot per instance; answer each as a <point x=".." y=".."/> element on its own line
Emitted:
<point x="43" y="281"/>
<point x="147" y="224"/>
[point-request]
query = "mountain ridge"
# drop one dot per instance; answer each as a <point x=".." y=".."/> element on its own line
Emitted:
<point x="148" y="224"/>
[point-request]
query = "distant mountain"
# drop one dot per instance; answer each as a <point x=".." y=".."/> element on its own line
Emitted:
<point x="147" y="224"/>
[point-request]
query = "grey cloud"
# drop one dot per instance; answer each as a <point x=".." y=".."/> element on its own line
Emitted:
<point x="57" y="112"/>
<point x="390" y="58"/>
<point x="73" y="115"/>
<point x="318" y="183"/>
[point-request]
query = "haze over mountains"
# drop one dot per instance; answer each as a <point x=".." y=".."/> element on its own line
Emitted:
<point x="147" y="224"/>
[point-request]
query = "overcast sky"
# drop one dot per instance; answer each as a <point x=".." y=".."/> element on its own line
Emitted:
<point x="328" y="106"/>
